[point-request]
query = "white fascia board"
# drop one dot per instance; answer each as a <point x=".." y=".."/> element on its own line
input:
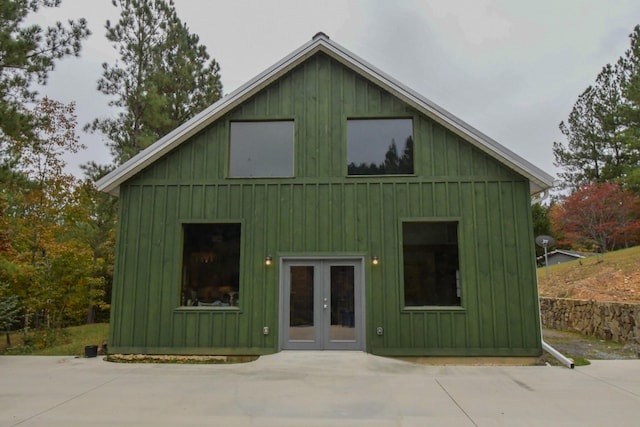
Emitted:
<point x="110" y="183"/>
<point x="569" y="253"/>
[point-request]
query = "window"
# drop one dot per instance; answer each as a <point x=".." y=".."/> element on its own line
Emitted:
<point x="380" y="147"/>
<point x="261" y="149"/>
<point x="431" y="266"/>
<point x="211" y="265"/>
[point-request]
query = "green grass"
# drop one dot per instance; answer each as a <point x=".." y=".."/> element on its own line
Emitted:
<point x="72" y="341"/>
<point x="68" y="342"/>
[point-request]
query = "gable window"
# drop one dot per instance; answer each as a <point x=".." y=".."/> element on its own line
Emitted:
<point x="261" y="149"/>
<point x="380" y="147"/>
<point x="431" y="264"/>
<point x="211" y="265"/>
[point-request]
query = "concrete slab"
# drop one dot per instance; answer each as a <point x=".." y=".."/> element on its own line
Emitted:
<point x="314" y="389"/>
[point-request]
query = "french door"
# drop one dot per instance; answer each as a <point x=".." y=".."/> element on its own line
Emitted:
<point x="322" y="304"/>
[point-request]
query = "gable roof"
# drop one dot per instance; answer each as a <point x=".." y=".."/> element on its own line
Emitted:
<point x="571" y="254"/>
<point x="539" y="180"/>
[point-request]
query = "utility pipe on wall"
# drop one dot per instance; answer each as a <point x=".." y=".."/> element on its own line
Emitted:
<point x="546" y="347"/>
<point x="559" y="356"/>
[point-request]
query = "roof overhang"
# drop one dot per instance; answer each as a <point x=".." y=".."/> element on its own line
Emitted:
<point x="539" y="180"/>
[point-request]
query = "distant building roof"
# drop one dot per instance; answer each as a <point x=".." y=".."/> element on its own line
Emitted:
<point x="558" y="256"/>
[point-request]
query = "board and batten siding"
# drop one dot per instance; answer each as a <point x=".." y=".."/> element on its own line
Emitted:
<point x="320" y="211"/>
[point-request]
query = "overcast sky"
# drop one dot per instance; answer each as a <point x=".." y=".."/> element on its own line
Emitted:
<point x="512" y="69"/>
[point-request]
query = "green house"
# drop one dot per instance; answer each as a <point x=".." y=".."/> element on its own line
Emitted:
<point x="325" y="206"/>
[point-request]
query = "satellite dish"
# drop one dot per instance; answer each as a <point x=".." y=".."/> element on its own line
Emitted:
<point x="545" y="241"/>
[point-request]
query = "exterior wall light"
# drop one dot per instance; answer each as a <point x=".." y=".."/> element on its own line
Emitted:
<point x="375" y="260"/>
<point x="267" y="261"/>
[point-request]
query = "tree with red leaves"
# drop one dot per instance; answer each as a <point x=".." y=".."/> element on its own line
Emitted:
<point x="602" y="215"/>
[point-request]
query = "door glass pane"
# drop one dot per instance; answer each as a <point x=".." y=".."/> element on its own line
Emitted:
<point x="301" y="327"/>
<point x="343" y="327"/>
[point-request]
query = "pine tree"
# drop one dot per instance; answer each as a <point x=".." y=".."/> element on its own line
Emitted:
<point x="391" y="159"/>
<point x="581" y="158"/>
<point x="603" y="128"/>
<point x="163" y="78"/>
<point x="608" y="99"/>
<point x="27" y="55"/>
<point x="406" y="161"/>
<point x="630" y="110"/>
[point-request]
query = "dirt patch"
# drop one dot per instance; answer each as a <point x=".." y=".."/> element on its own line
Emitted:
<point x="608" y="284"/>
<point x="614" y="276"/>
<point x="575" y="345"/>
<point x="183" y="359"/>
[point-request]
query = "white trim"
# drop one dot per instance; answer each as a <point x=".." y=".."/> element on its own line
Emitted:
<point x="539" y="180"/>
<point x="323" y="339"/>
<point x="576" y="255"/>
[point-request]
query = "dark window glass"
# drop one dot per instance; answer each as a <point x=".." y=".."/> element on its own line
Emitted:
<point x="261" y="149"/>
<point x="211" y="265"/>
<point x="380" y="147"/>
<point x="431" y="266"/>
<point x="301" y="309"/>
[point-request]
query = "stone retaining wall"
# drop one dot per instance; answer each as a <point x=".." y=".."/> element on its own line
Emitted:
<point x="615" y="321"/>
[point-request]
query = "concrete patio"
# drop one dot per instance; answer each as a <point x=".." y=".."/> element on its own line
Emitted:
<point x="314" y="389"/>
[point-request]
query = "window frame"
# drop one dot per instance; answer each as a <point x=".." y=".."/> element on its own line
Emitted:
<point x="349" y="118"/>
<point x="230" y="123"/>
<point x="425" y="308"/>
<point x="179" y="254"/>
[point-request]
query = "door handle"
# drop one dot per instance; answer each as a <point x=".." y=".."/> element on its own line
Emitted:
<point x="325" y="306"/>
